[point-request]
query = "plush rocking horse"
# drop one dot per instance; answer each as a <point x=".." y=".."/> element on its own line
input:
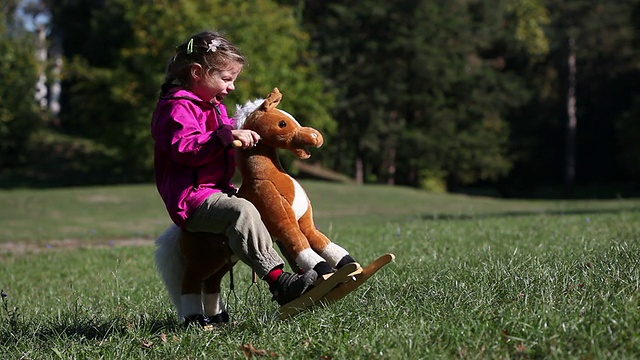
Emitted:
<point x="192" y="265"/>
<point x="282" y="202"/>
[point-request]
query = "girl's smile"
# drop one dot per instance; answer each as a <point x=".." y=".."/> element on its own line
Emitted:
<point x="217" y="84"/>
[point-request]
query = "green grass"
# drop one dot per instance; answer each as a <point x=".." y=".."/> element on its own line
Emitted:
<point x="473" y="278"/>
<point x="91" y="213"/>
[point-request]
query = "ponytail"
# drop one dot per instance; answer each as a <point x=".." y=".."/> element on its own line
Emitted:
<point x="168" y="83"/>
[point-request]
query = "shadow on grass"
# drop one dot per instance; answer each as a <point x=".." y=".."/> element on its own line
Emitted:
<point x="87" y="329"/>
<point x="513" y="214"/>
<point x="25" y="332"/>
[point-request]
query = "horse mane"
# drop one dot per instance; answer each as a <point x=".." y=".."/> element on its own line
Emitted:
<point x="243" y="112"/>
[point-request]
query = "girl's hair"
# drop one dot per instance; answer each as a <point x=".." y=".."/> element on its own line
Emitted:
<point x="209" y="49"/>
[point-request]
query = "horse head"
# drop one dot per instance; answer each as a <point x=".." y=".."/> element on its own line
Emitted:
<point x="277" y="128"/>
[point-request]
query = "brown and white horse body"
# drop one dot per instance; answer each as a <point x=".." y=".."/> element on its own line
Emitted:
<point x="282" y="202"/>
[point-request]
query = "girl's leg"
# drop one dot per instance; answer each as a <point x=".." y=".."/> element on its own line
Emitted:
<point x="250" y="241"/>
<point x="239" y="220"/>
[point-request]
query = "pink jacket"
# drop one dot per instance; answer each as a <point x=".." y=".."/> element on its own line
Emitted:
<point x="193" y="157"/>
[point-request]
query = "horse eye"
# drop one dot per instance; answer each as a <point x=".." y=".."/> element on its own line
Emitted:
<point x="282" y="123"/>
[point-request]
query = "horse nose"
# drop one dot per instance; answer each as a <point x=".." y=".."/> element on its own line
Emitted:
<point x="317" y="137"/>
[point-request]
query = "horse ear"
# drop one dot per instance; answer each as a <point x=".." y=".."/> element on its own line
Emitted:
<point x="272" y="100"/>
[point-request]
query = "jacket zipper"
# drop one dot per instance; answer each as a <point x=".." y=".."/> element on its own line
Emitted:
<point x="226" y="157"/>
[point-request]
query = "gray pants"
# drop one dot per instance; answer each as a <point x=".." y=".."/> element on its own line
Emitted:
<point x="238" y="219"/>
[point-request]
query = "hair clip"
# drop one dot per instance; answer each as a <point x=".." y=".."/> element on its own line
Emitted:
<point x="190" y="46"/>
<point x="213" y="45"/>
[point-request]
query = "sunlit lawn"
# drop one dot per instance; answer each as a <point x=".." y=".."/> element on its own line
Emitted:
<point x="473" y="278"/>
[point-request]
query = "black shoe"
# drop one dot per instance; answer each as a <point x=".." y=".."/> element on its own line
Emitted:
<point x="197" y="319"/>
<point x="347" y="259"/>
<point x="221" y="318"/>
<point x="204" y="321"/>
<point x="323" y="268"/>
<point x="289" y="287"/>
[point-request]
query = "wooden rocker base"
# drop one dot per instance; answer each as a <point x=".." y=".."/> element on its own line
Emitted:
<point x="347" y="287"/>
<point x="311" y="297"/>
<point x="349" y="284"/>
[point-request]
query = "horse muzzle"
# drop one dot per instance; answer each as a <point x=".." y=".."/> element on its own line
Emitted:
<point x="305" y="138"/>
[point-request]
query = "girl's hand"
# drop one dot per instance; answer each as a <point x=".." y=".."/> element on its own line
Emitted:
<point x="248" y="138"/>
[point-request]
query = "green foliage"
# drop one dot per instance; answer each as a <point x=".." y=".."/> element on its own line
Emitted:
<point x="606" y="46"/>
<point x="19" y="116"/>
<point x="462" y="93"/>
<point x="433" y="180"/>
<point x="422" y="88"/>
<point x="117" y="66"/>
<point x="531" y="16"/>
<point x="279" y="56"/>
<point x="472" y="90"/>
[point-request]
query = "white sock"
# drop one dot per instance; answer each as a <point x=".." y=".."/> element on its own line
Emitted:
<point x="213" y="304"/>
<point x="333" y="253"/>
<point x="191" y="304"/>
<point x="307" y="259"/>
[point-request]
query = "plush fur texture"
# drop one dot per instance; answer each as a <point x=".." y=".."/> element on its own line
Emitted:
<point x="192" y="266"/>
<point x="243" y="112"/>
<point x="282" y="202"/>
<point x="170" y="265"/>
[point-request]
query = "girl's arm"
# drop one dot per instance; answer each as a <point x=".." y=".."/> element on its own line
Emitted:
<point x="189" y="143"/>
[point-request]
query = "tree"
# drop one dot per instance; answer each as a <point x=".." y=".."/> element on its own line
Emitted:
<point x="19" y="116"/>
<point x="628" y="124"/>
<point x="606" y="78"/>
<point x="423" y="86"/>
<point x="607" y="82"/>
<point x="118" y="51"/>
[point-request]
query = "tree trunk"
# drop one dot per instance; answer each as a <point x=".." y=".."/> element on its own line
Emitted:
<point x="391" y="166"/>
<point x="572" y="121"/>
<point x="41" y="56"/>
<point x="359" y="170"/>
<point x="56" y="81"/>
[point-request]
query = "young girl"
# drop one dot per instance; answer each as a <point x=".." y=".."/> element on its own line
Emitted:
<point x="194" y="160"/>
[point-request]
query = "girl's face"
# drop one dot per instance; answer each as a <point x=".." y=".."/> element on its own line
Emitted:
<point x="215" y="85"/>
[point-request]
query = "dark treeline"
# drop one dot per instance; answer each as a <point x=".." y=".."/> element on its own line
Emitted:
<point x="515" y="96"/>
